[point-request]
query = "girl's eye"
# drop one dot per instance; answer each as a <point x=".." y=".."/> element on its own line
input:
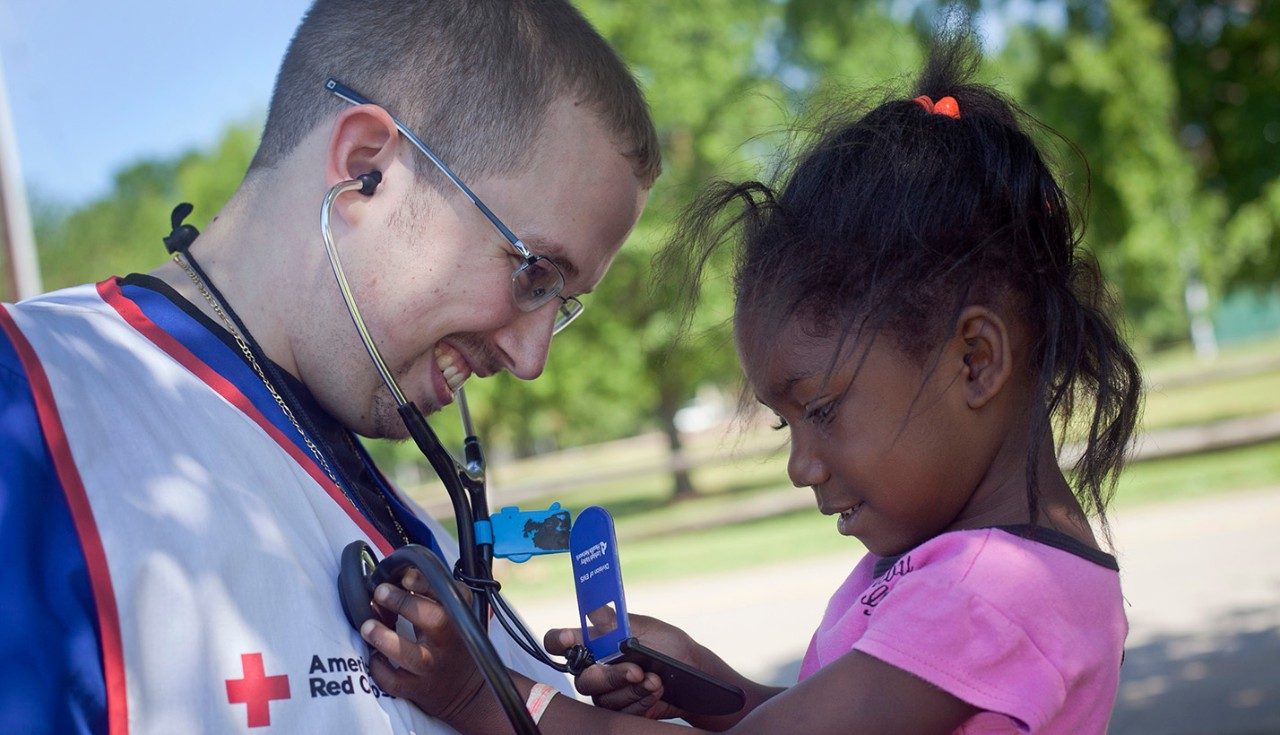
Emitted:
<point x="782" y="424"/>
<point x="822" y="413"/>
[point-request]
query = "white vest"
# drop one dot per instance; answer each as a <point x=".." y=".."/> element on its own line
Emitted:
<point x="217" y="600"/>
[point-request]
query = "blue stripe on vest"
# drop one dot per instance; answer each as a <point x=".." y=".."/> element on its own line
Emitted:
<point x="52" y="680"/>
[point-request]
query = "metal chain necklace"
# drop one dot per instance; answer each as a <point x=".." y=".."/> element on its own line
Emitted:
<point x="243" y="344"/>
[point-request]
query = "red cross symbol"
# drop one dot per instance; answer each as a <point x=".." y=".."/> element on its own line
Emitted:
<point x="257" y="689"/>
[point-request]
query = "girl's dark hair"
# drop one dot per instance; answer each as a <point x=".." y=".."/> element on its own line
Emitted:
<point x="895" y="221"/>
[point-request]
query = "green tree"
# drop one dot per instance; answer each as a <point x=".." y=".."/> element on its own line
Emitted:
<point x="706" y="72"/>
<point x="1105" y="82"/>
<point x="1226" y="59"/>
<point x="121" y="231"/>
<point x="1170" y="100"/>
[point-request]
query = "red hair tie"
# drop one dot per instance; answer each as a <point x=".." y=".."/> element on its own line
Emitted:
<point x="945" y="106"/>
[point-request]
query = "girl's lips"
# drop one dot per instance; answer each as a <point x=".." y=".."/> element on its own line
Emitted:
<point x="845" y="521"/>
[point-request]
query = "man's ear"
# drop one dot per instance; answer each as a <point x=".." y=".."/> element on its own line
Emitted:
<point x="364" y="139"/>
<point x="986" y="352"/>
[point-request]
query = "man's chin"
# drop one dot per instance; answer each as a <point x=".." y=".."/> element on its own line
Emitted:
<point x="389" y="433"/>
<point x="387" y="423"/>
<point x="387" y="426"/>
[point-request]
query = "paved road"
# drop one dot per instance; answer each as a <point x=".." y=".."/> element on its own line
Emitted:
<point x="1202" y="579"/>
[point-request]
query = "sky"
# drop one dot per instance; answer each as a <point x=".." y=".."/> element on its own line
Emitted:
<point x="95" y="85"/>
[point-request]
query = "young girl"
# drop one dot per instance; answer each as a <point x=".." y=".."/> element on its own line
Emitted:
<point x="914" y="307"/>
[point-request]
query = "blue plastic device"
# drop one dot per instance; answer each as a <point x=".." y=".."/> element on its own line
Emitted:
<point x="602" y="612"/>
<point x="519" y="535"/>
<point x="602" y="608"/>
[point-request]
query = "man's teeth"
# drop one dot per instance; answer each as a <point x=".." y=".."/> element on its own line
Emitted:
<point x="455" y="374"/>
<point x="454" y="378"/>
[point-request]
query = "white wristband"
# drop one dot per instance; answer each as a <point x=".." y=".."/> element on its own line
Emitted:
<point x="539" y="697"/>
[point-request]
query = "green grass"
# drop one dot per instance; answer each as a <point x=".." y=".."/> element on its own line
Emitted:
<point x="1182" y="361"/>
<point x="1200" y="474"/>
<point x="795" y="535"/>
<point x="641" y="503"/>
<point x="1206" y="402"/>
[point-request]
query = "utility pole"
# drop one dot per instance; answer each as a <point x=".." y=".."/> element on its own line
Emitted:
<point x="16" y="237"/>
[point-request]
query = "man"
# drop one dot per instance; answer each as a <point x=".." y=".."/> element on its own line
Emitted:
<point x="177" y="467"/>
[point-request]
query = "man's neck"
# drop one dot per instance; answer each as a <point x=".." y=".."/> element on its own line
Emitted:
<point x="228" y="252"/>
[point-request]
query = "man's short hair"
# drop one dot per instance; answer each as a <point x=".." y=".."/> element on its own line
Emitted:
<point x="473" y="78"/>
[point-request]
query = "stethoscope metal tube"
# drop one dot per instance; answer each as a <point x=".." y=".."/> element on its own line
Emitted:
<point x="465" y="483"/>
<point x="473" y="457"/>
<point x="326" y="212"/>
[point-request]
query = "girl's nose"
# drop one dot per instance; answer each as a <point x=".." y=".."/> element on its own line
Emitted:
<point x="804" y="466"/>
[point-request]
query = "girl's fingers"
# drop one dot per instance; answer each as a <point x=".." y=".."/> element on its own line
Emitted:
<point x="603" y="679"/>
<point x="408" y="655"/>
<point x="415" y="582"/>
<point x="632" y="699"/>
<point x="640" y="707"/>
<point x="426" y="614"/>
<point x="558" y="641"/>
<point x="389" y="679"/>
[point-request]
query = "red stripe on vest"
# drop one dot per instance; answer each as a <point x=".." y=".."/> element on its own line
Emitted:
<point x="95" y="556"/>
<point x="110" y="292"/>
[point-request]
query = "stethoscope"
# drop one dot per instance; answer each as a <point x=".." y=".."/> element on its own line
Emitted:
<point x="360" y="571"/>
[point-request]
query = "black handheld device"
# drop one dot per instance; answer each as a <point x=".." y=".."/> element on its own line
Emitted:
<point x="682" y="685"/>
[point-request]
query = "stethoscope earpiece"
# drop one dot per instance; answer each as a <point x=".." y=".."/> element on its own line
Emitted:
<point x="369" y="182"/>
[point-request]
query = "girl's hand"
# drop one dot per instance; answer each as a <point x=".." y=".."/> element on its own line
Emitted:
<point x="435" y="671"/>
<point x="626" y="687"/>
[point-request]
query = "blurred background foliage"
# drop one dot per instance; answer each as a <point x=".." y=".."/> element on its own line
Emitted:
<point x="1173" y="104"/>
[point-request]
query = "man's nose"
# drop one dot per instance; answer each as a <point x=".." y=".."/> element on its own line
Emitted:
<point x="525" y="341"/>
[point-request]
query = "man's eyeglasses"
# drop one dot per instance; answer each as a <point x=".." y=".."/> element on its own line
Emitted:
<point x="537" y="280"/>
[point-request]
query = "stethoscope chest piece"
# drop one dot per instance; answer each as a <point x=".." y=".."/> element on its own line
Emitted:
<point x="355" y="582"/>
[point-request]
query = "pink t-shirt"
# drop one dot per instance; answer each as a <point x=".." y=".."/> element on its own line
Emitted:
<point x="1029" y="631"/>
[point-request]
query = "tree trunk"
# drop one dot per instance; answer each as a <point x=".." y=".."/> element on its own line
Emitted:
<point x="682" y="487"/>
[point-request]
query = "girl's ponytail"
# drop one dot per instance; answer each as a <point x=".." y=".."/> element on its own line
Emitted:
<point x="1084" y="362"/>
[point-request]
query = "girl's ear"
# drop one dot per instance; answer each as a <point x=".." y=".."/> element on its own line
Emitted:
<point x="986" y="353"/>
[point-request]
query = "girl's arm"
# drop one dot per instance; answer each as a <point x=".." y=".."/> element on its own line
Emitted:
<point x="854" y="694"/>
